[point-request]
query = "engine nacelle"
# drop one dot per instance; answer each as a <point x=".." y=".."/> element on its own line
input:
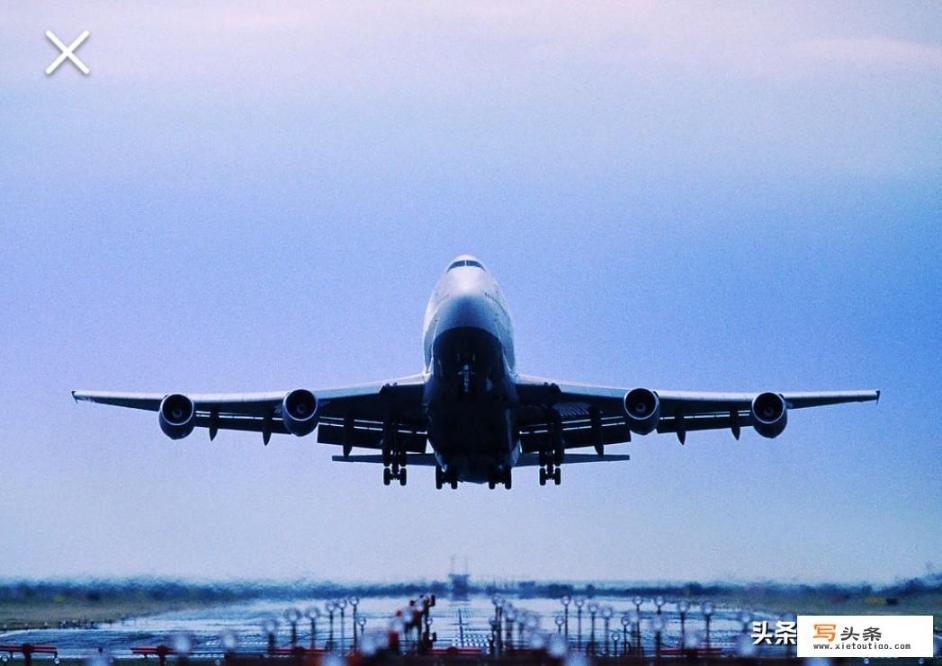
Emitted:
<point x="642" y="410"/>
<point x="177" y="416"/>
<point x="299" y="412"/>
<point x="769" y="414"/>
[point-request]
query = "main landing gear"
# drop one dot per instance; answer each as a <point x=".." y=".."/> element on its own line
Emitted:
<point x="395" y="467"/>
<point x="441" y="478"/>
<point x="550" y="462"/>
<point x="548" y="472"/>
<point x="503" y="477"/>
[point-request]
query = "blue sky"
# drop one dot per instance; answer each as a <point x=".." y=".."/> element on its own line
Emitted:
<point x="242" y="197"/>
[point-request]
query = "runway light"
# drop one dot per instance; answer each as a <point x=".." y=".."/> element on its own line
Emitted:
<point x="683" y="606"/>
<point x="182" y="643"/>
<point x="270" y="625"/>
<point x="556" y="647"/>
<point x="229" y="640"/>
<point x="707" y="608"/>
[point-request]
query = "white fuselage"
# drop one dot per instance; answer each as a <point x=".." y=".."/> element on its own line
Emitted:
<point x="471" y="371"/>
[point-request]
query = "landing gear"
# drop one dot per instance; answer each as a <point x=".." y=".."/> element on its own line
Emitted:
<point x="394" y="453"/>
<point x="442" y="477"/>
<point x="550" y="472"/>
<point x="500" y="476"/>
<point x="396" y="470"/>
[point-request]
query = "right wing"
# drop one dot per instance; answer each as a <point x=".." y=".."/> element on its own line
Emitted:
<point x="350" y="416"/>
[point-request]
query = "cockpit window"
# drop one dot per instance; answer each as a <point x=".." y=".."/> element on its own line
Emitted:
<point x="465" y="262"/>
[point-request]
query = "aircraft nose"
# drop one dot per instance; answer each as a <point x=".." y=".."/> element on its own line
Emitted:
<point x="467" y="309"/>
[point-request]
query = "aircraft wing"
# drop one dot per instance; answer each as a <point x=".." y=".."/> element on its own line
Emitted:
<point x="351" y="416"/>
<point x="595" y="415"/>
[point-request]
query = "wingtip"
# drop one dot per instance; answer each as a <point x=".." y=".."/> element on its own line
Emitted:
<point x="73" y="396"/>
<point x="878" y="395"/>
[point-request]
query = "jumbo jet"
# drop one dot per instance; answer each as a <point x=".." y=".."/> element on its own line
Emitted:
<point x="469" y="413"/>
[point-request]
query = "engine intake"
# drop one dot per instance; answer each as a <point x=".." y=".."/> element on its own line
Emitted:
<point x="769" y="414"/>
<point x="642" y="410"/>
<point x="177" y="416"/>
<point x="299" y="412"/>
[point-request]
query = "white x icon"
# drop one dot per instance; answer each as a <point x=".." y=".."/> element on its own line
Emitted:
<point x="68" y="53"/>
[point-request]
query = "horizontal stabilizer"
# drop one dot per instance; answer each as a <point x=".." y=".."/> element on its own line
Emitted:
<point x="533" y="459"/>
<point x="418" y="459"/>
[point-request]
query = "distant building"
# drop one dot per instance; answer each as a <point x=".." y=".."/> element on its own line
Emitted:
<point x="459" y="583"/>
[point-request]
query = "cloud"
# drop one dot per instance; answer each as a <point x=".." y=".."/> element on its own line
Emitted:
<point x="873" y="51"/>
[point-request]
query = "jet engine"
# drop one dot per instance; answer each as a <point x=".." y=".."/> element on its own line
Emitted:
<point x="769" y="414"/>
<point x="177" y="416"/>
<point x="299" y="412"/>
<point x="642" y="410"/>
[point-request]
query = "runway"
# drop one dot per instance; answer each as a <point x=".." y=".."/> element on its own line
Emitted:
<point x="456" y="622"/>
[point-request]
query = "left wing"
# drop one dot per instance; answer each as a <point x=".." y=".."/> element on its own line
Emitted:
<point x="350" y="416"/>
<point x="586" y="415"/>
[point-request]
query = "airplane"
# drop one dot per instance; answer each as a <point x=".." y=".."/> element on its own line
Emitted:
<point x="470" y="406"/>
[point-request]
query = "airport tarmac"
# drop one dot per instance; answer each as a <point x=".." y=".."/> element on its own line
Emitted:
<point x="458" y="622"/>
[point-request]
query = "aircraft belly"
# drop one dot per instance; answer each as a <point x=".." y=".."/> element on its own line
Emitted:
<point x="470" y="395"/>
